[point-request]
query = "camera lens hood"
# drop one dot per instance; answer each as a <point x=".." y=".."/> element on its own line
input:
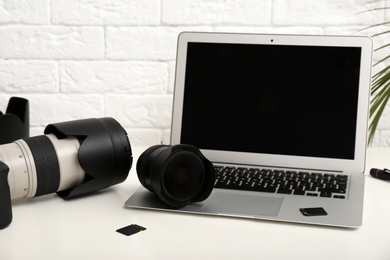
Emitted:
<point x="15" y="124"/>
<point x="105" y="152"/>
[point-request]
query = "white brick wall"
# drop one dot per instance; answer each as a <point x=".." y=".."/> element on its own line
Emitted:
<point x="79" y="58"/>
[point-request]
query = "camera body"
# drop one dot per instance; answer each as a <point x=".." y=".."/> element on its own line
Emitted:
<point x="5" y="197"/>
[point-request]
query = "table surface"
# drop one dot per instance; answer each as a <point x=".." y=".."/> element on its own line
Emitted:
<point x="48" y="227"/>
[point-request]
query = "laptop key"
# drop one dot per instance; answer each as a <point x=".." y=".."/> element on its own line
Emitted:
<point x="326" y="194"/>
<point x="269" y="188"/>
<point x="284" y="190"/>
<point x="299" y="191"/>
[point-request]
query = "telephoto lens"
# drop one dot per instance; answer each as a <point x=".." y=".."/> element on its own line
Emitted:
<point x="179" y="175"/>
<point x="72" y="158"/>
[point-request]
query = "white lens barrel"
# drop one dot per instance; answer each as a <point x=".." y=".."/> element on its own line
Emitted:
<point x="21" y="170"/>
<point x="67" y="153"/>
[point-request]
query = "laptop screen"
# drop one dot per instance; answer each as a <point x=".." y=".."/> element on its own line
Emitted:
<point x="273" y="99"/>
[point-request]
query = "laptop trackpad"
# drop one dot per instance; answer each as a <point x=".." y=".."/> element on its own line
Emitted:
<point x="238" y="203"/>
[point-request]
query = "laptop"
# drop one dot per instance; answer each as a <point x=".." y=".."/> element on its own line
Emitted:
<point x="296" y="104"/>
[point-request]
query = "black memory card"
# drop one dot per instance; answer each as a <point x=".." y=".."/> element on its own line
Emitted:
<point x="131" y="229"/>
<point x="308" y="212"/>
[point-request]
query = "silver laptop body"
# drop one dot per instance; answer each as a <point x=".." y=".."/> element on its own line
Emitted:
<point x="289" y="102"/>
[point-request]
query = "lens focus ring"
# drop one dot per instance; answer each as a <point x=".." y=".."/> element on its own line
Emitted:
<point x="46" y="163"/>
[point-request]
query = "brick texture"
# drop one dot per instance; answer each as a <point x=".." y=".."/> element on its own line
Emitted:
<point x="77" y="59"/>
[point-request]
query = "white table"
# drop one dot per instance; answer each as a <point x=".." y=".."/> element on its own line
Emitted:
<point x="84" y="228"/>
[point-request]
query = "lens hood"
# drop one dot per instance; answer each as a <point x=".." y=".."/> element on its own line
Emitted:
<point x="104" y="154"/>
<point x="15" y="124"/>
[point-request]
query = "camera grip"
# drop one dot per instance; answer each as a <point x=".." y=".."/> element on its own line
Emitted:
<point x="5" y="197"/>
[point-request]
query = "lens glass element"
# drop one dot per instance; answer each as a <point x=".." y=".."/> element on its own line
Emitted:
<point x="183" y="176"/>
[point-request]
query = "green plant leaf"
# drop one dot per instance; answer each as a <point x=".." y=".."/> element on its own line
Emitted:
<point x="380" y="85"/>
<point x="380" y="93"/>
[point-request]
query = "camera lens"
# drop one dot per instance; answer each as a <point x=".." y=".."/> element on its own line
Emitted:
<point x="73" y="158"/>
<point x="178" y="175"/>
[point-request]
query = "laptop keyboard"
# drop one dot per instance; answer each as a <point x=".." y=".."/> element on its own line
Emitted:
<point x="285" y="182"/>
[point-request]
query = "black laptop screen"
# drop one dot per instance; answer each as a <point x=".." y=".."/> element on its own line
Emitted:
<point x="274" y="99"/>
